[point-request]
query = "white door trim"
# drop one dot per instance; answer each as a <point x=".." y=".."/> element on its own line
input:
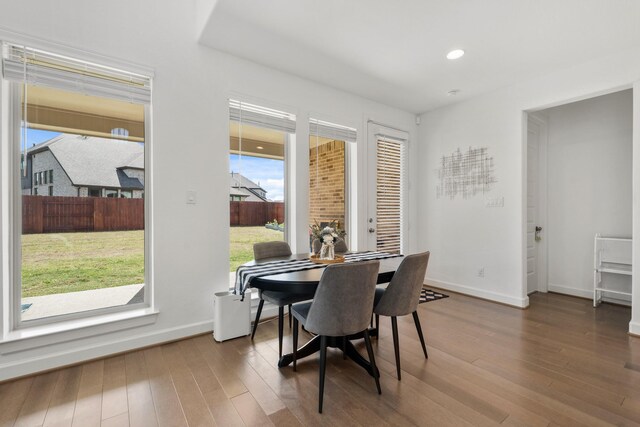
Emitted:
<point x="542" y="203"/>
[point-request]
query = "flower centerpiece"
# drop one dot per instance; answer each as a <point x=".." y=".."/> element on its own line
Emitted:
<point x="328" y="236"/>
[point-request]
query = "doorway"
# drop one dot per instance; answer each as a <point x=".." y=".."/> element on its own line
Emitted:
<point x="579" y="184"/>
<point x="386" y="224"/>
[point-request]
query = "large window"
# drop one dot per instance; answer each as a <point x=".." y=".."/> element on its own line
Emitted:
<point x="257" y="196"/>
<point x="78" y="128"/>
<point x="328" y="173"/>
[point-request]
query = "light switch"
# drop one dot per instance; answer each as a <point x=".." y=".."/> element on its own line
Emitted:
<point x="191" y="197"/>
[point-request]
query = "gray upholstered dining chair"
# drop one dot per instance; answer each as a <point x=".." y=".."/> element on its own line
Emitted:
<point x="340" y="246"/>
<point x="263" y="251"/>
<point x="342" y="306"/>
<point x="401" y="297"/>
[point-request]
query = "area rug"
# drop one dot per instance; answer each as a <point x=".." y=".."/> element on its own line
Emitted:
<point x="427" y="295"/>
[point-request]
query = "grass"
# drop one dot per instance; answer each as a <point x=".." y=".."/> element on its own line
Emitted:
<point x="242" y="240"/>
<point x="69" y="262"/>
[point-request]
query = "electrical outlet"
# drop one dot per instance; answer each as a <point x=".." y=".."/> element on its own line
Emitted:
<point x="481" y="272"/>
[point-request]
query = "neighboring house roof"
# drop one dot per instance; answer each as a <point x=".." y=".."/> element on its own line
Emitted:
<point x="239" y="180"/>
<point x="237" y="192"/>
<point x="135" y="162"/>
<point x="96" y="162"/>
<point x="253" y="191"/>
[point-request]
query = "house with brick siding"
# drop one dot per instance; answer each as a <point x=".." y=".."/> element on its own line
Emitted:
<point x="85" y="166"/>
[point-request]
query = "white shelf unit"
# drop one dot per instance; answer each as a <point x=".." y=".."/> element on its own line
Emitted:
<point x="610" y="255"/>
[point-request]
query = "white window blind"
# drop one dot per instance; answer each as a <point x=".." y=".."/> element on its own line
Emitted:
<point x="263" y="117"/>
<point x="39" y="68"/>
<point x="332" y="130"/>
<point x="389" y="193"/>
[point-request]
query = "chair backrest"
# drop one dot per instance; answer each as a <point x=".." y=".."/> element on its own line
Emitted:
<point x="340" y="246"/>
<point x="343" y="302"/>
<point x="403" y="293"/>
<point x="271" y="250"/>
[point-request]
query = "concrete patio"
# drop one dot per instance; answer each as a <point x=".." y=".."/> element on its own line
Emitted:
<point x="72" y="302"/>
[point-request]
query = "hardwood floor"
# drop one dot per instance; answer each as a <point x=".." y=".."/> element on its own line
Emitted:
<point x="561" y="362"/>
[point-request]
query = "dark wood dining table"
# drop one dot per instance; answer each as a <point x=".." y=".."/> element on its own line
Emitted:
<point x="306" y="281"/>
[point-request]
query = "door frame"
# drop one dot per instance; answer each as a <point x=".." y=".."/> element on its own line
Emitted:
<point x="374" y="130"/>
<point x="542" y="258"/>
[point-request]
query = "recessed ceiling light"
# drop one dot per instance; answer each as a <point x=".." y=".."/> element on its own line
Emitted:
<point x="455" y="54"/>
<point x="453" y="92"/>
<point x="260" y="147"/>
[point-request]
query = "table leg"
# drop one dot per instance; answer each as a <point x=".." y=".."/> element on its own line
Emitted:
<point x="353" y="354"/>
<point x="313" y="346"/>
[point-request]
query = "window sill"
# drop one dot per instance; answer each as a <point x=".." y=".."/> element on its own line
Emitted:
<point x="55" y="333"/>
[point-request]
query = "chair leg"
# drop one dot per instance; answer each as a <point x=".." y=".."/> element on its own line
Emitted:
<point x="344" y="348"/>
<point x="289" y="316"/>
<point x="416" y="320"/>
<point x="378" y="323"/>
<point x="372" y="360"/>
<point x="295" y="344"/>
<point x="255" y="323"/>
<point x="323" y="367"/>
<point x="396" y="344"/>
<point x="280" y="329"/>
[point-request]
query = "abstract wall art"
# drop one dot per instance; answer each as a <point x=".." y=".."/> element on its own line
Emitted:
<point x="465" y="174"/>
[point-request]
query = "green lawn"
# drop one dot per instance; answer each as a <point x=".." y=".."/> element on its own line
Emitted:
<point x="242" y="240"/>
<point x="69" y="262"/>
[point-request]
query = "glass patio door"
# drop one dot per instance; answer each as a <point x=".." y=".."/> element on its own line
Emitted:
<point x="387" y="176"/>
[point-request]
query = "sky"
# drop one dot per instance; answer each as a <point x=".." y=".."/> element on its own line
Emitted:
<point x="35" y="136"/>
<point x="269" y="173"/>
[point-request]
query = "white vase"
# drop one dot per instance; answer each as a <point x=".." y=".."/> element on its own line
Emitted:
<point x="327" y="251"/>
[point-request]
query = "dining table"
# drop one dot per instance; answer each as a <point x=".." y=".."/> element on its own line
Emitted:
<point x="306" y="281"/>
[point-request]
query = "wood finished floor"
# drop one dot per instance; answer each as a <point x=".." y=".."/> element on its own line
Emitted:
<point x="559" y="363"/>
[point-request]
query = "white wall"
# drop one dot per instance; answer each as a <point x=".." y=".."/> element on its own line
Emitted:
<point x="189" y="149"/>
<point x="464" y="234"/>
<point x="589" y="187"/>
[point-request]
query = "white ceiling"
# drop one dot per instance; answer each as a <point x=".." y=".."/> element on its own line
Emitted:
<point x="394" y="51"/>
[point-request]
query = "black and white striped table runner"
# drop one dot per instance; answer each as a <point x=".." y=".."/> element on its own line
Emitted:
<point x="246" y="273"/>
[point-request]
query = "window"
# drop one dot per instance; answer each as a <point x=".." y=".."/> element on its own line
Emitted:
<point x="35" y="179"/>
<point x="67" y="264"/>
<point x="111" y="193"/>
<point x="257" y="147"/>
<point x="328" y="173"/>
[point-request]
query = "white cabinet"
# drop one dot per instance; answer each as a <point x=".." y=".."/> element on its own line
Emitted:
<point x="611" y="255"/>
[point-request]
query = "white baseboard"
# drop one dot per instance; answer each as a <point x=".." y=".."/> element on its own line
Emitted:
<point x="568" y="290"/>
<point x="480" y="293"/>
<point x="63" y="358"/>
<point x="634" y="328"/>
<point x="585" y="293"/>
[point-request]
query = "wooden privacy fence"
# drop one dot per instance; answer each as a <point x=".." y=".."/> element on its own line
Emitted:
<point x="53" y="214"/>
<point x="255" y="213"/>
